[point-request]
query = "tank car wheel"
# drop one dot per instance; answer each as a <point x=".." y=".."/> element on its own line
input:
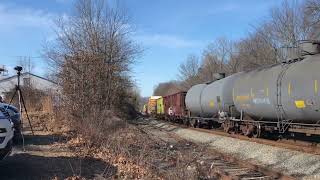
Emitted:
<point x="200" y="125"/>
<point x="237" y="129"/>
<point x="257" y="131"/>
<point x="210" y="125"/>
<point x="183" y="121"/>
<point x="226" y="126"/>
<point x="188" y="122"/>
<point x="244" y="129"/>
<point x="193" y="123"/>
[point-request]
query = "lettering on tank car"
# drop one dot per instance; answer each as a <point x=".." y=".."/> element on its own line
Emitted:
<point x="261" y="92"/>
<point x="245" y="106"/>
<point x="243" y="98"/>
<point x="261" y="101"/>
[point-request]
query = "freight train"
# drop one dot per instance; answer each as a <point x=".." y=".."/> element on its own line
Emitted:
<point x="281" y="98"/>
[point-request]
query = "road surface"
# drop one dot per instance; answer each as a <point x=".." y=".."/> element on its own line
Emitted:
<point x="47" y="156"/>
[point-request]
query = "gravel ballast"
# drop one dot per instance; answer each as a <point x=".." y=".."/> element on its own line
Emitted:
<point x="298" y="164"/>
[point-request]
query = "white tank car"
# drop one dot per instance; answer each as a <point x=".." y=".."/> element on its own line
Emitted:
<point x="6" y="135"/>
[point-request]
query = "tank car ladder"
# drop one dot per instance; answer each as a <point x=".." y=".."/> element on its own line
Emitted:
<point x="283" y="123"/>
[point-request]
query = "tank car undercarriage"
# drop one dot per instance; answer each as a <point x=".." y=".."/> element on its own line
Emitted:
<point x="252" y="128"/>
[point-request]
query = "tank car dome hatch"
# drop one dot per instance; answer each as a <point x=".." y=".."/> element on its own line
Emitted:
<point x="303" y="49"/>
<point x="219" y="76"/>
<point x="309" y="47"/>
<point x="216" y="77"/>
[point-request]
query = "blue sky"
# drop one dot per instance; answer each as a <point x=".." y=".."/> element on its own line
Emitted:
<point x="167" y="30"/>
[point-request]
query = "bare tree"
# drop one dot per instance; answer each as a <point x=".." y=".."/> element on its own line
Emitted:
<point x="167" y="88"/>
<point x="92" y="57"/>
<point x="222" y="49"/>
<point x="189" y="72"/>
<point x="312" y="16"/>
<point x="287" y="24"/>
<point x="215" y="59"/>
<point x="253" y="52"/>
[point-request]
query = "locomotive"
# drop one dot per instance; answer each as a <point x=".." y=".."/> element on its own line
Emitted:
<point x="279" y="98"/>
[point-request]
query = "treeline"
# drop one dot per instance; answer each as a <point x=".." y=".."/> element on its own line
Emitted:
<point x="287" y="24"/>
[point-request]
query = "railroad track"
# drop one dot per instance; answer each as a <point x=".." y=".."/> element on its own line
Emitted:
<point x="288" y="144"/>
<point x="296" y="145"/>
<point x="215" y="164"/>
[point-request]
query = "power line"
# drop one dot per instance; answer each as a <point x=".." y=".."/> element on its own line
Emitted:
<point x="18" y="57"/>
<point x="32" y="57"/>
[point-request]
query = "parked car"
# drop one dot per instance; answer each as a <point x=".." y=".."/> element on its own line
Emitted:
<point x="6" y="135"/>
<point x="14" y="115"/>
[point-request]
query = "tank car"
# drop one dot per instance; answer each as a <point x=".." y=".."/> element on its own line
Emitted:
<point x="212" y="100"/>
<point x="212" y="103"/>
<point x="279" y="98"/>
<point x="193" y="99"/>
<point x="280" y="92"/>
<point x="286" y="94"/>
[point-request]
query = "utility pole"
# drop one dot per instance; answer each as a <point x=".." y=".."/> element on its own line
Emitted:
<point x="26" y="63"/>
<point x="3" y="70"/>
<point x="29" y="64"/>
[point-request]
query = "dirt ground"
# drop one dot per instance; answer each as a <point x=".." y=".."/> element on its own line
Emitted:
<point x="47" y="156"/>
<point x="140" y="151"/>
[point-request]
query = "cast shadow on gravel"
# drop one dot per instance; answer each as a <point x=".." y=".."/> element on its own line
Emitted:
<point x="43" y="139"/>
<point x="26" y="166"/>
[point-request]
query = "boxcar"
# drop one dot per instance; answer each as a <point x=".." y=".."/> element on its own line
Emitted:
<point x="174" y="106"/>
<point x="152" y="105"/>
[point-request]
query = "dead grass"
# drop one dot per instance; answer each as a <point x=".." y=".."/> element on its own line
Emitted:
<point x="140" y="155"/>
<point x="136" y="153"/>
